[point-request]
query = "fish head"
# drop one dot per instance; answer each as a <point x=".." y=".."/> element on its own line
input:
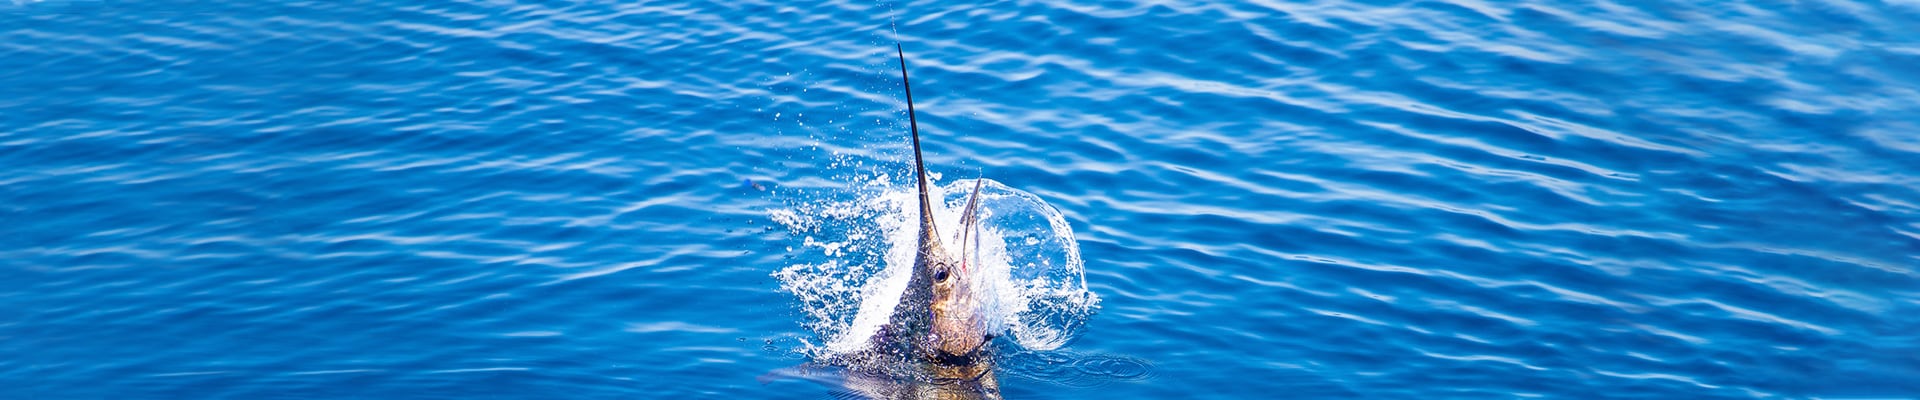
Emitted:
<point x="955" y="334"/>
<point x="958" y="328"/>
<point x="957" y="331"/>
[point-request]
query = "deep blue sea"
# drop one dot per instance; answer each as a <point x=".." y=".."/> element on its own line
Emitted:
<point x="509" y="199"/>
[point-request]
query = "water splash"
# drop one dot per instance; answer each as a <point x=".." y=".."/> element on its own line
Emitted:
<point x="856" y="255"/>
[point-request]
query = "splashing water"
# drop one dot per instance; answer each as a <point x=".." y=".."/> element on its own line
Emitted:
<point x="857" y="255"/>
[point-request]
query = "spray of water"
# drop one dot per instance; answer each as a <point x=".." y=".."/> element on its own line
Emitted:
<point x="856" y="255"/>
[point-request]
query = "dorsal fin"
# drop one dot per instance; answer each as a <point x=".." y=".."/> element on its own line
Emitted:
<point x="969" y="224"/>
<point x="928" y="233"/>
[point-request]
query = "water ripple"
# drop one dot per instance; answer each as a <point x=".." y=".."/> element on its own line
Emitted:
<point x="1343" y="199"/>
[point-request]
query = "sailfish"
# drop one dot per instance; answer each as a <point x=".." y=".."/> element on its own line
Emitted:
<point x="949" y="337"/>
<point x="936" y="343"/>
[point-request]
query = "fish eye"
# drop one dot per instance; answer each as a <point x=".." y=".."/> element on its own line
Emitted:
<point x="940" y="274"/>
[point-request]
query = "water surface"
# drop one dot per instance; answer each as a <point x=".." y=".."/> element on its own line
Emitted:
<point x="1320" y="199"/>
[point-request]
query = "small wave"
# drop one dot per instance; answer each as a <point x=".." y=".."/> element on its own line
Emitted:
<point x="1074" y="369"/>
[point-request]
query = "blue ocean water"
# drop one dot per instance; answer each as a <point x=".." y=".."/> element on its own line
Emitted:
<point x="1314" y="199"/>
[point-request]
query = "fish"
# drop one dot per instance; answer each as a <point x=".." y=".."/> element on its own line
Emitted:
<point x="936" y="343"/>
<point x="955" y="347"/>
